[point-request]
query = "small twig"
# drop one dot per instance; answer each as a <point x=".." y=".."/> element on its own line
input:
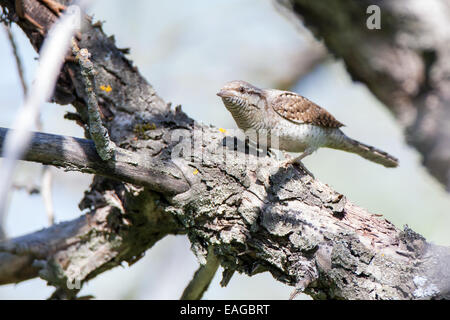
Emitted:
<point x="99" y="134"/>
<point x="17" y="58"/>
<point x="202" y="278"/>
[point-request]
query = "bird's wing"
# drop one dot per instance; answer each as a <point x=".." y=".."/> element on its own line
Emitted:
<point x="298" y="109"/>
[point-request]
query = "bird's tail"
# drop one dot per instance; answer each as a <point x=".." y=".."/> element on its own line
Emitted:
<point x="368" y="152"/>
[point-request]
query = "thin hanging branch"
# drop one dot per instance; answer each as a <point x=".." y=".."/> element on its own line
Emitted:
<point x="51" y="60"/>
<point x="20" y="71"/>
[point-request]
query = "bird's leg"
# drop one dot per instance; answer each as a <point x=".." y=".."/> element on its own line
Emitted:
<point x="297" y="160"/>
<point x="54" y="6"/>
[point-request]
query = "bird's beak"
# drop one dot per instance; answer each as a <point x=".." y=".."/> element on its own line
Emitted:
<point x="223" y="93"/>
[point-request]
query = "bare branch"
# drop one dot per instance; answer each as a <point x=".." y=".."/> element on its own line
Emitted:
<point x="17" y="58"/>
<point x="202" y="278"/>
<point x="73" y="154"/>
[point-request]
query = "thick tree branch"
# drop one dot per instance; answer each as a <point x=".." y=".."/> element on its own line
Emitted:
<point x="405" y="64"/>
<point x="252" y="214"/>
<point x="73" y="154"/>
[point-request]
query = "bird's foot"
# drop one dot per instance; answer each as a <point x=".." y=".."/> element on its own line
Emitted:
<point x="296" y="161"/>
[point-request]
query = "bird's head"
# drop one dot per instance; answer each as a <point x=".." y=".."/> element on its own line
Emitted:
<point x="241" y="94"/>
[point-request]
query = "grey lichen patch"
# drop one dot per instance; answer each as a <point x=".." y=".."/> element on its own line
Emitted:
<point x="304" y="241"/>
<point x="274" y="220"/>
<point x="287" y="184"/>
<point x="425" y="288"/>
<point x="236" y="234"/>
<point x="359" y="250"/>
<point x="281" y="221"/>
<point x="276" y="258"/>
<point x="249" y="211"/>
<point x="341" y="257"/>
<point x="413" y="241"/>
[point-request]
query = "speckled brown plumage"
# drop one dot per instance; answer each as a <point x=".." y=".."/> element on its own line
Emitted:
<point x="298" y="109"/>
<point x="290" y="122"/>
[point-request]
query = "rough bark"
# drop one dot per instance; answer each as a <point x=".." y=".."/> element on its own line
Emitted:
<point x="75" y="154"/>
<point x="252" y="214"/>
<point x="406" y="63"/>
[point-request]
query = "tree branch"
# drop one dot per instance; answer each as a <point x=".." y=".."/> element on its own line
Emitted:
<point x="202" y="278"/>
<point x="73" y="154"/>
<point x="99" y="134"/>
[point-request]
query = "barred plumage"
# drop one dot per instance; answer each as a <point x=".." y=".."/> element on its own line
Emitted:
<point x="296" y="123"/>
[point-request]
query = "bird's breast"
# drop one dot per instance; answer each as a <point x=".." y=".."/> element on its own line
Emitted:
<point x="292" y="137"/>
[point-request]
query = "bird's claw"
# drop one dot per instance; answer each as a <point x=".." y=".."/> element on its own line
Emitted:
<point x="295" y="161"/>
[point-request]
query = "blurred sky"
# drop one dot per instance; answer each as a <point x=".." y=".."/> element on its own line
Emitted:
<point x="187" y="50"/>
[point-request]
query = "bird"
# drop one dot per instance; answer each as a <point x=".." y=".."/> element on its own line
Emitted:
<point x="292" y="123"/>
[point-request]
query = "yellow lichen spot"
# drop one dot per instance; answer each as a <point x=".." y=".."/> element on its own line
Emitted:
<point x="195" y="172"/>
<point x="106" y="88"/>
<point x="222" y="130"/>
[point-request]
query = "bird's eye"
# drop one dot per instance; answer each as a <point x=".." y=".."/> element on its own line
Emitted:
<point x="241" y="90"/>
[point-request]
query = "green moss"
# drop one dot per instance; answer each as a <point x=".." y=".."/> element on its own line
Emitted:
<point x="140" y="130"/>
